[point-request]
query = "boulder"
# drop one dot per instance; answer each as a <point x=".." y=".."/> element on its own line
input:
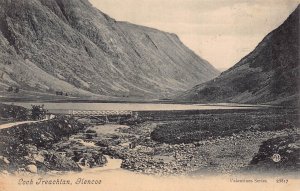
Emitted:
<point x="56" y="161"/>
<point x="31" y="168"/>
<point x="4" y="160"/>
<point x="39" y="158"/>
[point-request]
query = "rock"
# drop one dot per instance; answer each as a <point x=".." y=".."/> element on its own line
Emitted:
<point x="56" y="161"/>
<point x="31" y="168"/>
<point x="39" y="158"/>
<point x="29" y="159"/>
<point x="293" y="146"/>
<point x="31" y="148"/>
<point x="21" y="170"/>
<point x="289" y="151"/>
<point x="4" y="160"/>
<point x="4" y="172"/>
<point x="43" y="152"/>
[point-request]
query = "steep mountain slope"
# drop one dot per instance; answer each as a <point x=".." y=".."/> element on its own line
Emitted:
<point x="62" y="45"/>
<point x="269" y="74"/>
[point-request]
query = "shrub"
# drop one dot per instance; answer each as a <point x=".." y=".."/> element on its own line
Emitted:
<point x="38" y="112"/>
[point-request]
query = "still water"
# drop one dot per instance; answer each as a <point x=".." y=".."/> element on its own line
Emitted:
<point x="64" y="107"/>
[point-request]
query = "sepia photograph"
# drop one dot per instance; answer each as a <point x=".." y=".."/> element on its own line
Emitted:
<point x="149" y="95"/>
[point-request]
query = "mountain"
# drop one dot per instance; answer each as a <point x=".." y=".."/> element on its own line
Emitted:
<point x="70" y="46"/>
<point x="269" y="74"/>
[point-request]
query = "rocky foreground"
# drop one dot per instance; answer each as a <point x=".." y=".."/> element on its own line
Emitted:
<point x="66" y="144"/>
<point x="38" y="148"/>
<point x="229" y="154"/>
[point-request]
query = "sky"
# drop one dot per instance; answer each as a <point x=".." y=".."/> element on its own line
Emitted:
<point x="220" y="31"/>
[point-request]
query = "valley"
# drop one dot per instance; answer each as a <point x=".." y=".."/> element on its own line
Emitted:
<point x="84" y="95"/>
<point x="183" y="142"/>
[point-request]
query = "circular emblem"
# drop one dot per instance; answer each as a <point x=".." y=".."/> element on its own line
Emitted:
<point x="276" y="158"/>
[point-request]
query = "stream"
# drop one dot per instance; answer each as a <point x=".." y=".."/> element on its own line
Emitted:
<point x="112" y="164"/>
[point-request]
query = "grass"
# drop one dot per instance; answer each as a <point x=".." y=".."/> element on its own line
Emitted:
<point x="211" y="125"/>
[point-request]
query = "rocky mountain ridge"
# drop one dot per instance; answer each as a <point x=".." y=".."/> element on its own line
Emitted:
<point x="269" y="74"/>
<point x="59" y="45"/>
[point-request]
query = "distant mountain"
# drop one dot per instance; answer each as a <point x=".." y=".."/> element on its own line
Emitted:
<point x="70" y="46"/>
<point x="222" y="69"/>
<point x="269" y="74"/>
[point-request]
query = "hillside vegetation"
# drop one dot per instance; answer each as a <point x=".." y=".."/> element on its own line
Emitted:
<point x="269" y="74"/>
<point x="51" y="46"/>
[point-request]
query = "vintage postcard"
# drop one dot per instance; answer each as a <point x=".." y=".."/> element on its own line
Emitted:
<point x="149" y="95"/>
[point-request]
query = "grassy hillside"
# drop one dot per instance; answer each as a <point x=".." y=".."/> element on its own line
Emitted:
<point x="269" y="74"/>
<point x="55" y="45"/>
